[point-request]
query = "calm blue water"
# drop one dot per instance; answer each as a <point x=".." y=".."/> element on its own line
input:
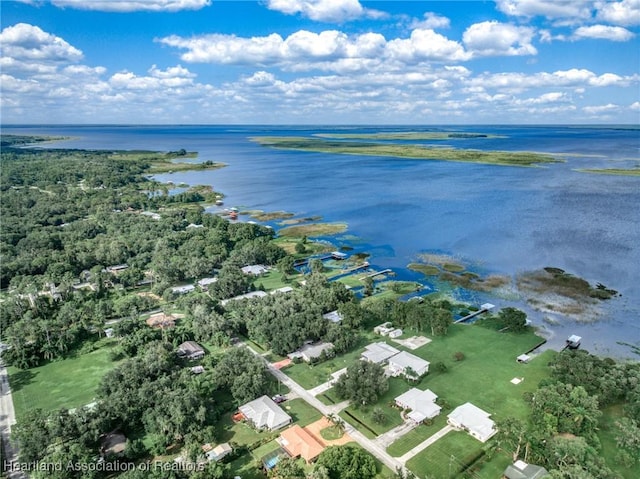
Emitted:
<point x="501" y="220"/>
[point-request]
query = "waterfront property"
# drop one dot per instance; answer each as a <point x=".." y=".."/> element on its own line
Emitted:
<point x="264" y="413"/>
<point x="379" y="352"/>
<point x="299" y="443"/>
<point x="408" y="364"/>
<point x="474" y="420"/>
<point x="422" y="404"/>
<point x="184" y="289"/>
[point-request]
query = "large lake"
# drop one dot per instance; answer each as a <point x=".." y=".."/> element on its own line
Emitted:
<point x="497" y="219"/>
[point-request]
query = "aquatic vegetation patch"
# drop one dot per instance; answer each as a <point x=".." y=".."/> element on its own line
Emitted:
<point x="408" y="135"/>
<point x="313" y="229"/>
<point x="612" y="171"/>
<point x="397" y="150"/>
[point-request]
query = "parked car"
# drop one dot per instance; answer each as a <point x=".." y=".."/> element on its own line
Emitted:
<point x="278" y="398"/>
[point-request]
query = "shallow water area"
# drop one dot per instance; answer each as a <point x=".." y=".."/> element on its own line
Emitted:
<point x="498" y="219"/>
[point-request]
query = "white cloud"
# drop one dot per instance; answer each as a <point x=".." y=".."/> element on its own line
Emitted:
<point x="431" y="21"/>
<point x="603" y="32"/>
<point x="333" y="11"/>
<point x="551" y="9"/>
<point x="327" y="50"/>
<point x="426" y="45"/>
<point x="25" y="42"/>
<point x="498" y="39"/>
<point x="133" y="5"/>
<point x="635" y="106"/>
<point x="599" y="109"/>
<point x="625" y="12"/>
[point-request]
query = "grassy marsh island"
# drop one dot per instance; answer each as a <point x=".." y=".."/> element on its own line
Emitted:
<point x="417" y="152"/>
<point x="408" y="135"/>
<point x="612" y="171"/>
<point x="313" y="229"/>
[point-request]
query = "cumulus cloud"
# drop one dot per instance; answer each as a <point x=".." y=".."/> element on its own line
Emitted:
<point x="333" y="11"/>
<point x="551" y="9"/>
<point x="133" y="5"/>
<point x="496" y="39"/>
<point x="600" y="109"/>
<point x="603" y="32"/>
<point x="625" y="12"/>
<point x="635" y="106"/>
<point x="327" y="50"/>
<point x="431" y="21"/>
<point x="25" y="42"/>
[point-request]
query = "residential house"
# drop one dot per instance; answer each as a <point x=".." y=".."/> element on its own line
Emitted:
<point x="309" y="352"/>
<point x="255" y="269"/>
<point x="379" y="352"/>
<point x="184" y="289"/>
<point x="421" y="403"/>
<point x="522" y="470"/>
<point x="204" y="283"/>
<point x="404" y="361"/>
<point x="299" y="443"/>
<point x="474" y="420"/>
<point x="190" y="350"/>
<point x="264" y="413"/>
<point x="161" y="320"/>
<point x="251" y="294"/>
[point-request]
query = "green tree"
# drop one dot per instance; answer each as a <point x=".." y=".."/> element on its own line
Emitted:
<point x="346" y="462"/>
<point x="513" y="319"/>
<point x="363" y="383"/>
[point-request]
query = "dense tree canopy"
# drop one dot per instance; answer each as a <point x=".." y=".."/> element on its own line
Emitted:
<point x="363" y="383"/>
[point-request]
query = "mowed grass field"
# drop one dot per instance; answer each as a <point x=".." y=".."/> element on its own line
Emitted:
<point x="68" y="383"/>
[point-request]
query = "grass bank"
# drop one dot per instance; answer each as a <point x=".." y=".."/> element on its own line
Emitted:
<point x="313" y="229"/>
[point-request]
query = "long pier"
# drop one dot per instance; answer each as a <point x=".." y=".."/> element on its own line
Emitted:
<point x="483" y="309"/>
<point x="375" y="273"/>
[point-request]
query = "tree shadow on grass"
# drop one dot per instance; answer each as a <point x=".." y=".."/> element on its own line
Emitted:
<point x="20" y="379"/>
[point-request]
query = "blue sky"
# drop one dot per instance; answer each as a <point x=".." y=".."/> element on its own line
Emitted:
<point x="320" y="61"/>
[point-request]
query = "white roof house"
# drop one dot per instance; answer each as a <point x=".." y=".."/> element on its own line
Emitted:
<point x="383" y="329"/>
<point x="264" y="413"/>
<point x="422" y="404"/>
<point x="333" y="316"/>
<point x="204" y="283"/>
<point x="255" y="269"/>
<point x="252" y="294"/>
<point x="187" y="288"/>
<point x="310" y="351"/>
<point x="379" y="352"/>
<point x="474" y="420"/>
<point x="284" y="289"/>
<point x="399" y="363"/>
<point x="218" y="452"/>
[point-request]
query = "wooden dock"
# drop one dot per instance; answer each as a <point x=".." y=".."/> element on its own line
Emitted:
<point x="483" y="309"/>
<point x="376" y="273"/>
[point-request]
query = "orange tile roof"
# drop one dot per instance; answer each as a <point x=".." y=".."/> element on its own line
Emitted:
<point x="298" y="442"/>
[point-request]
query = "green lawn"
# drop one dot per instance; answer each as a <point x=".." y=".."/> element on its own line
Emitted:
<point x="446" y="457"/>
<point x="300" y="412"/>
<point x="417" y="436"/>
<point x="371" y="429"/>
<point x="247" y="467"/>
<point x="68" y="383"/>
<point x="310" y="376"/>
<point x="273" y="280"/>
<point x="490" y="359"/>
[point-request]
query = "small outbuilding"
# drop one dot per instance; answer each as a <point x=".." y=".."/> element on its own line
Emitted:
<point x="523" y="358"/>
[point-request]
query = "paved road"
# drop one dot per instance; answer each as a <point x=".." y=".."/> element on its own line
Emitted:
<point x="390" y="436"/>
<point x="378" y="451"/>
<point x="7" y="419"/>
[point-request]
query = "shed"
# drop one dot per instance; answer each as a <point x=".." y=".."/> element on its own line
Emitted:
<point x="523" y="358"/>
<point x="396" y="333"/>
